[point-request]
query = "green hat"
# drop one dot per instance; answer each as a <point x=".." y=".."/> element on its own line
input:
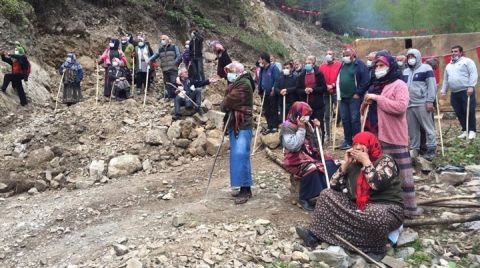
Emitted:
<point x="20" y="50"/>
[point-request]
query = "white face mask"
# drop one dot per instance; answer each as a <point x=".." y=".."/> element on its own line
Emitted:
<point x="347" y="60"/>
<point x="111" y="44"/>
<point x="231" y="77"/>
<point x="379" y="73"/>
<point x="286" y="71"/>
<point x="306" y="118"/>
<point x="400" y="63"/>
<point x="193" y="34"/>
<point x="261" y="64"/>
<point x="187" y="46"/>
<point x="369" y="63"/>
<point x="17" y="52"/>
<point x="412" y="61"/>
<point x="329" y="58"/>
<point x="115" y="64"/>
<point x="163" y="43"/>
<point x="141" y="44"/>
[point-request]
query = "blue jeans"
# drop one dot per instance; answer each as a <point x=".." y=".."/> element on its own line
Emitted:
<point x="459" y="104"/>
<point x="196" y="96"/>
<point x="240" y="167"/>
<point x="350" y="113"/>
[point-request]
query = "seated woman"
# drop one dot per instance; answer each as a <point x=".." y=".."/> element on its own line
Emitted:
<point x="302" y="158"/>
<point x="117" y="75"/>
<point x="364" y="204"/>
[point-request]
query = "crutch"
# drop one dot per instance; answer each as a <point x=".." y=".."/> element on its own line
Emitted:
<point x="439" y="117"/>
<point x="364" y="119"/>
<point x="217" y="154"/>
<point x="468" y="113"/>
<point x="335" y="126"/>
<point x="185" y="94"/>
<point x="258" y="124"/>
<point x="320" y="146"/>
<point x="58" y="93"/>
<point x="146" y="87"/>
<point x="98" y="81"/>
<point x="133" y="78"/>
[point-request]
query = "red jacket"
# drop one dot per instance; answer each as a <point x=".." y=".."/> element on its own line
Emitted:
<point x="330" y="72"/>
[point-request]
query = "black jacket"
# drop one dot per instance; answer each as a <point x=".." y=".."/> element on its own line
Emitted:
<point x="315" y="99"/>
<point x="196" y="46"/>
<point x="290" y="83"/>
<point x="223" y="60"/>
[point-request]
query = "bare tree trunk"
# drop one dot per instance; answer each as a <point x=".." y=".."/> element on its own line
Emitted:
<point x="440" y="221"/>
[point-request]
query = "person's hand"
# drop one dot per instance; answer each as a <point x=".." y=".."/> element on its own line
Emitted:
<point x="470" y="91"/>
<point x="369" y="98"/>
<point x="356" y="96"/>
<point x="283" y="92"/>
<point x="316" y="122"/>
<point x="308" y="90"/>
<point x="429" y="107"/>
<point x="347" y="158"/>
<point x="329" y="87"/>
<point x="361" y="157"/>
<point x="444" y="96"/>
<point x="301" y="122"/>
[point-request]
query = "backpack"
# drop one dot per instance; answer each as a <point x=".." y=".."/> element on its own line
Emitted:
<point x="70" y="76"/>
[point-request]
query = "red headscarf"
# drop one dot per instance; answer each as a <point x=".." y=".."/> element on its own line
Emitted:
<point x="298" y="109"/>
<point x="374" y="152"/>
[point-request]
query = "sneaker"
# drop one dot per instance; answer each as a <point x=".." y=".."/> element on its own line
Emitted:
<point x="463" y="135"/>
<point x="472" y="135"/>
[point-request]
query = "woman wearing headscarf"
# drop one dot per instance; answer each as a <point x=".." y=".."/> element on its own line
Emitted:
<point x="113" y="51"/>
<point x="391" y="101"/>
<point x="302" y="156"/>
<point x="72" y="77"/>
<point x="238" y="105"/>
<point x="223" y="58"/>
<point x="364" y="203"/>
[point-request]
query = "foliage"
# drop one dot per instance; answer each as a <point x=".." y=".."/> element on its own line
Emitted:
<point x="15" y="11"/>
<point x="145" y="3"/>
<point x="420" y="257"/>
<point x="459" y="151"/>
<point x="204" y="22"/>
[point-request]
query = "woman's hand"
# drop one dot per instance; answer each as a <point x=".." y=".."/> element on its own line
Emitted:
<point x="301" y="122"/>
<point x="369" y="98"/>
<point x="361" y="157"/>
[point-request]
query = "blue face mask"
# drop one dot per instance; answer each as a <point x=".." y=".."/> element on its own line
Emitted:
<point x="231" y="77"/>
<point x="308" y="67"/>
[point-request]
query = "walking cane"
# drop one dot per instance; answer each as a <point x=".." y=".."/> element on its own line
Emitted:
<point x="364" y="120"/>
<point x="133" y="78"/>
<point x="146" y="86"/>
<point x="335" y="126"/>
<point x="216" y="155"/>
<point x="331" y="114"/>
<point x="258" y="124"/>
<point x="58" y="93"/>
<point x="283" y="115"/>
<point x="323" y="157"/>
<point x="98" y="81"/>
<point x="468" y="113"/>
<point x="439" y="117"/>
<point x="185" y="94"/>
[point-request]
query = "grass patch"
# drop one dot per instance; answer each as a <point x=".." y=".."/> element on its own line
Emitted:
<point x="204" y="22"/>
<point x="16" y="11"/>
<point x="458" y="151"/>
<point x="278" y="264"/>
<point x="144" y="3"/>
<point x="419" y="257"/>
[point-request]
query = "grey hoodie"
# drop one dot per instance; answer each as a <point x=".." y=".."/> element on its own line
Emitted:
<point x="460" y="75"/>
<point x="420" y="81"/>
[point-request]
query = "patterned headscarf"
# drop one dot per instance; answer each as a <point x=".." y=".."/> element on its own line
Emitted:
<point x="374" y="152"/>
<point x="298" y="109"/>
<point x="235" y="66"/>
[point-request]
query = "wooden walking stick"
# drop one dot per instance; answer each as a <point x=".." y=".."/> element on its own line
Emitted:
<point x="133" y="78"/>
<point x="335" y="126"/>
<point x="216" y="155"/>
<point x="359" y="251"/>
<point x="146" y="87"/>
<point x="58" y="93"/>
<point x="258" y="124"/>
<point x="468" y="114"/>
<point x="320" y="146"/>
<point x="98" y="81"/>
<point x="439" y="117"/>
<point x="364" y="120"/>
<point x="330" y="110"/>
<point x="284" y="107"/>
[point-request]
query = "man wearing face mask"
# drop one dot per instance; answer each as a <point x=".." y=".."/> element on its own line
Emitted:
<point x="352" y="83"/>
<point x="401" y="59"/>
<point x="196" y="54"/>
<point x="113" y="51"/>
<point x="461" y="77"/>
<point x="311" y="88"/>
<point x="170" y="58"/>
<point x="142" y="54"/>
<point x="330" y="70"/>
<point x="422" y="89"/>
<point x="297" y="68"/>
<point x="20" y="71"/>
<point x="268" y="77"/>
<point x="287" y="87"/>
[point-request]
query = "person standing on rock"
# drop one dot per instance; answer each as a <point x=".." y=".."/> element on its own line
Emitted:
<point x="196" y="55"/>
<point x="330" y="70"/>
<point x="72" y="77"/>
<point x="287" y="87"/>
<point x="113" y="51"/>
<point x="392" y="98"/>
<point x="170" y="58"/>
<point x="311" y="88"/>
<point x="268" y="77"/>
<point x="302" y="157"/>
<point x="222" y="57"/>
<point x="20" y="71"/>
<point x="238" y="106"/>
<point x="352" y="83"/>
<point x="142" y="53"/>
<point x="422" y="88"/>
<point x="461" y="77"/>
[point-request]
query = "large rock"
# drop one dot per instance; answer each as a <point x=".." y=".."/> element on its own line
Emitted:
<point x="41" y="185"/>
<point x="216" y="117"/>
<point x="174" y="131"/>
<point x="212" y="145"/>
<point x="157" y="136"/>
<point x="134" y="263"/>
<point x="186" y="126"/>
<point x="182" y="143"/>
<point x="4" y="188"/>
<point x="96" y="169"/>
<point x="452" y="178"/>
<point x="300" y="256"/>
<point x="39" y="156"/>
<point x="474" y="169"/>
<point x="394" y="263"/>
<point x="198" y="146"/>
<point x="334" y="256"/>
<point x="271" y="140"/>
<point x="424" y="165"/>
<point x="124" y="165"/>
<point x="407" y="236"/>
